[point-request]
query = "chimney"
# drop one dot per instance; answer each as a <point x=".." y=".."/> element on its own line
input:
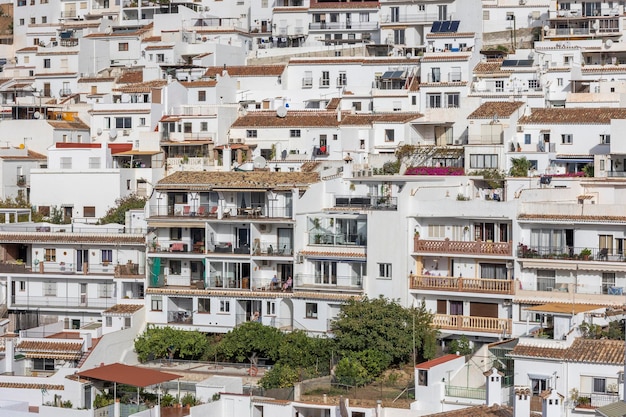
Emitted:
<point x="493" y="386"/>
<point x="551" y="403"/>
<point x="521" y="402"/>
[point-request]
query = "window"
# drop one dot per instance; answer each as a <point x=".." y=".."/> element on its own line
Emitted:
<point x="389" y="135"/>
<point x="224" y="306"/>
<point x="107" y="122"/>
<point x="270" y="308"/>
<point x="484" y="161"/>
<point x="204" y="126"/>
<point x="44" y="19"/>
<point x="559" y="82"/>
<point x="397" y="105"/>
<point x="122" y="46"/>
<point x="605" y="139"/>
<point x="421" y="7"/>
<point x="325" y="80"/>
<point x="311" y="310"/>
<point x="602" y="168"/>
<point x="538" y="386"/>
<point x="398" y="36"/>
<point x="452" y="100"/>
<point x="342" y="80"/>
<point x="414" y="100"/>
<point x="46" y="63"/>
<point x="599" y="385"/>
<point x="175" y="267"/>
<point x="251" y="133"/>
<point x="109" y="322"/>
<point x="356" y="105"/>
<point x="533" y="84"/>
<point x="545" y="279"/>
<point x="204" y="305"/>
<point x="307" y="80"/>
<point x="566" y="139"/>
<point x="50" y="289"/>
<point x="395" y="14"/>
<point x="21" y="22"/>
<point x="437" y="231"/>
<point x="384" y="270"/>
<point x="43" y="364"/>
<point x="22" y="286"/>
<point x="142" y="121"/>
<point x="123" y="122"/>
<point x="201" y="95"/>
<point x="433" y="101"/>
<point x="33" y="20"/>
<point x="422" y="377"/>
<point x="499" y="86"/>
<point x="156" y="303"/>
<point x="89" y="211"/>
<point x="176" y="233"/>
<point x="493" y="271"/>
<point x="526" y="138"/>
<point x="608" y="282"/>
<point x="105" y="290"/>
<point x="364" y="17"/>
<point x="485" y="14"/>
<point x="606" y="242"/>
<point x="294" y="133"/>
<point x="127" y="322"/>
<point x="50" y="255"/>
<point x="106" y="255"/>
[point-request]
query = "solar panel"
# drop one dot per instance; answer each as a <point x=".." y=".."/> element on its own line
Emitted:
<point x="445" y="27"/>
<point x="509" y="63"/>
<point x="517" y="63"/>
<point x="454" y="25"/>
<point x="387" y="74"/>
<point x="436" y="27"/>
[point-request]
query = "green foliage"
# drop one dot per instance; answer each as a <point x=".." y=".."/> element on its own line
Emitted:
<point x="102" y="400"/>
<point x="168" y="400"/>
<point x="189" y="400"/>
<point x="374" y="361"/>
<point x="614" y="330"/>
<point x="349" y="371"/>
<point x="117" y="214"/>
<point x="391" y="168"/>
<point x="589" y="170"/>
<point x="301" y="351"/>
<point x="519" y="167"/>
<point x="66" y="404"/>
<point x="250" y="339"/>
<point x="280" y="376"/>
<point x="493" y="177"/>
<point x="158" y="342"/>
<point x="383" y="325"/>
<point x="461" y="345"/>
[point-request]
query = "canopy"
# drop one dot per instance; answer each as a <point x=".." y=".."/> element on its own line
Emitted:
<point x="128" y="375"/>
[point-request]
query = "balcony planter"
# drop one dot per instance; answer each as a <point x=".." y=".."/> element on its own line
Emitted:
<point x="585" y="254"/>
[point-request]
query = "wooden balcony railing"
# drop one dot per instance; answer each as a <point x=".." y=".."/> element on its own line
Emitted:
<point x="472" y="323"/>
<point x="456" y="246"/>
<point x="479" y="285"/>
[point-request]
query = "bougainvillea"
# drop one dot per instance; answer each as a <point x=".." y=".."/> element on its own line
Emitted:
<point x="434" y="171"/>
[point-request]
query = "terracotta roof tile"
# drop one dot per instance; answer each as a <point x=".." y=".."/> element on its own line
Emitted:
<point x="152" y="39"/>
<point x="333" y="104"/>
<point x="480" y="411"/>
<point x="360" y="61"/>
<point x="369" y="119"/>
<point x="96" y="79"/>
<point x="293" y="119"/>
<point x="23" y="385"/>
<point x="130" y="77"/>
<point x="66" y="124"/>
<point x="30" y="155"/>
<point x="69" y="238"/>
<point x="247" y="71"/>
<point x="446" y="57"/>
<point x="437" y="361"/>
<point x="156" y="47"/>
<point x="450" y="35"/>
<point x="199" y="83"/>
<point x="564" y="116"/>
<point x="490" y="109"/>
<point x="316" y="4"/>
<point x="598" y="351"/>
<point x="123" y="309"/>
<point x="51" y="346"/>
<point x="144" y="87"/>
<point x="549" y="351"/>
<point x="487" y="67"/>
<point x="578" y="218"/>
<point x="239" y="180"/>
<point x="338" y="296"/>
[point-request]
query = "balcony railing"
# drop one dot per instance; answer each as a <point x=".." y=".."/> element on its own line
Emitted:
<point x="367" y="202"/>
<point x="330" y="282"/>
<point x="466" y="392"/>
<point x="180" y="317"/>
<point x="206" y="210"/>
<point x="472" y="323"/>
<point x="471" y="248"/>
<point x="595" y="400"/>
<point x="479" y="285"/>
<point x="570" y="253"/>
<point x="411" y="18"/>
<point x="61" y="301"/>
<point x="343" y="26"/>
<point x="336" y="239"/>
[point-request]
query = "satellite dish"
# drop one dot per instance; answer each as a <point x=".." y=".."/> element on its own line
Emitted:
<point x="595" y="26"/>
<point x="99" y="131"/>
<point x="608" y="43"/>
<point x="281" y="111"/>
<point x="546" y="28"/>
<point x="36" y="115"/>
<point x="259" y="162"/>
<point x="113" y="134"/>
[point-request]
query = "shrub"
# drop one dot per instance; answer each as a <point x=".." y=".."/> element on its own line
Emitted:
<point x="434" y="171"/>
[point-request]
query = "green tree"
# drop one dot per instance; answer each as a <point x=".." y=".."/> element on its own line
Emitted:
<point x="374" y="361"/>
<point x="249" y="340"/>
<point x="349" y="371"/>
<point x="461" y="345"/>
<point x="589" y="170"/>
<point x="117" y="214"/>
<point x="519" y="167"/>
<point x="383" y="325"/>
<point x="163" y="342"/>
<point x="280" y="376"/>
<point x="298" y="350"/>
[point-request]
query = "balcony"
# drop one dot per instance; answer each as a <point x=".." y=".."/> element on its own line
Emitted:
<point x="586" y="400"/>
<point x="337" y="239"/>
<point x="367" y="202"/>
<point x="213" y="211"/>
<point x="421" y="18"/>
<point x="462" y="247"/>
<point x="333" y="283"/>
<point x="367" y="26"/>
<point x="569" y="253"/>
<point x="472" y="324"/>
<point x="180" y="317"/>
<point x="474" y="285"/>
<point x="60" y="301"/>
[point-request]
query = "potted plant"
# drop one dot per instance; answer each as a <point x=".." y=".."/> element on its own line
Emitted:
<point x="585" y="254"/>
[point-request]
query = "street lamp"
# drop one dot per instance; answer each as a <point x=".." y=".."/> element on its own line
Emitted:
<point x="511" y="17"/>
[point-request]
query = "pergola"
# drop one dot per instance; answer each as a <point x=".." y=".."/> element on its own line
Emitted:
<point x="127" y="375"/>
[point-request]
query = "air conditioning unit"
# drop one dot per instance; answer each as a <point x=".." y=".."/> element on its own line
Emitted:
<point x="239" y="140"/>
<point x="126" y="132"/>
<point x="520" y="128"/>
<point x="300" y="258"/>
<point x="265" y="228"/>
<point x="166" y="271"/>
<point x="231" y="140"/>
<point x="457" y="141"/>
<point x="265" y="262"/>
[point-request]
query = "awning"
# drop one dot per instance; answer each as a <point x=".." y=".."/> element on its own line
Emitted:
<point x="129" y="375"/>
<point x="539" y="376"/>
<point x="579" y="160"/>
<point x="565" y="308"/>
<point x="137" y="153"/>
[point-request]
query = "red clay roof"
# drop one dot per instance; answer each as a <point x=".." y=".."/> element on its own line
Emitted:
<point x="435" y="362"/>
<point x="129" y="375"/>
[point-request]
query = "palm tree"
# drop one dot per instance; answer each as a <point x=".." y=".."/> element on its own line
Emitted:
<point x="519" y="167"/>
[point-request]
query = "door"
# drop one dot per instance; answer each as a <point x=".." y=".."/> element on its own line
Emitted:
<point x="243" y="237"/>
<point x="82" y="260"/>
<point x="284" y="241"/>
<point x="83" y="294"/>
